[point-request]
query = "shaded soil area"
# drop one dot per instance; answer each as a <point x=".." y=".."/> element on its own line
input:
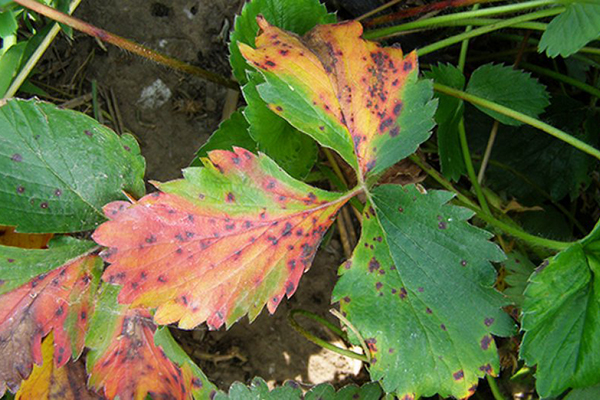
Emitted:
<point x="172" y="115"/>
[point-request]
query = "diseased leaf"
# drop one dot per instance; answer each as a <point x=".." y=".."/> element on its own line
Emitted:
<point x="59" y="167"/>
<point x="509" y="87"/>
<point x="124" y="360"/>
<point x="291" y="149"/>
<point x="569" y="31"/>
<point x="222" y="242"/>
<point x="47" y="382"/>
<point x="201" y="387"/>
<point x="59" y="300"/>
<point x="233" y="132"/>
<point x="349" y="94"/>
<point x="298" y="16"/>
<point x="427" y="272"/>
<point x="448" y="115"/>
<point x="561" y="319"/>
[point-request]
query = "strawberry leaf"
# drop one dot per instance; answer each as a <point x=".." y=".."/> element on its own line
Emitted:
<point x="569" y="31"/>
<point x="427" y="272"/>
<point x="524" y="93"/>
<point x="220" y="243"/>
<point x="561" y="319"/>
<point x="349" y="94"/>
<point x="43" y="290"/>
<point x="258" y="390"/>
<point x="47" y="382"/>
<point x="59" y="167"/>
<point x="298" y="16"/>
<point x="448" y="115"/>
<point x="124" y="361"/>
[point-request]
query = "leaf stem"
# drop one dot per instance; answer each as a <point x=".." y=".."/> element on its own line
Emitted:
<point x="37" y="54"/>
<point x="494" y="388"/>
<point x="490" y="11"/>
<point x="487" y="29"/>
<point x="126" y="44"/>
<point x="536" y="123"/>
<point x="464" y="46"/>
<point x="511" y="230"/>
<point x="318" y="341"/>
<point x="470" y="169"/>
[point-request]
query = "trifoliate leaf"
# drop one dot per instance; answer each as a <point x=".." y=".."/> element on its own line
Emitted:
<point x="47" y="382"/>
<point x="124" y="361"/>
<point x="569" y="31"/>
<point x="448" y="115"/>
<point x="224" y="241"/>
<point x="233" y="132"/>
<point x="561" y="319"/>
<point x="427" y="273"/>
<point x="43" y="290"/>
<point x="298" y="16"/>
<point x="349" y="94"/>
<point x="59" y="167"/>
<point x="509" y="87"/>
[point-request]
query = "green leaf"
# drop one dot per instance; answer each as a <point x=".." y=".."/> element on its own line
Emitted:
<point x="509" y="87"/>
<point x="448" y="115"/>
<point x="298" y="16"/>
<point x="8" y="23"/>
<point x="561" y="319"/>
<point x="584" y="394"/>
<point x="18" y="266"/>
<point x="9" y="65"/>
<point x="569" y="31"/>
<point x="258" y="390"/>
<point x="518" y="269"/>
<point x="59" y="167"/>
<point x="427" y="273"/>
<point x="233" y="132"/>
<point x="294" y="151"/>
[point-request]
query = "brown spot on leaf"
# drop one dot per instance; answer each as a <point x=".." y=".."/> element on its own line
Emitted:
<point x="458" y="375"/>
<point x="486" y="341"/>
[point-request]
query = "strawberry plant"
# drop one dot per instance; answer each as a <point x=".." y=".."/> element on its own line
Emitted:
<point x="440" y="280"/>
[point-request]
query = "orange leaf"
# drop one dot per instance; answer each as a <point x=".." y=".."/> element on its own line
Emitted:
<point x="223" y="242"/>
<point x="349" y="94"/>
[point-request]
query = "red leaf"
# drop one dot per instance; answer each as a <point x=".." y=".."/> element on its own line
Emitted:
<point x="31" y="311"/>
<point x="131" y="366"/>
<point x="223" y="242"/>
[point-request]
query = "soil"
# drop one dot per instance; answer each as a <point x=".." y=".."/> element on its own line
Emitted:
<point x="172" y="115"/>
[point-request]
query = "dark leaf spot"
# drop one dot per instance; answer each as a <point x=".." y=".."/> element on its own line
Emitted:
<point x="458" y="375"/>
<point x="17" y="157"/>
